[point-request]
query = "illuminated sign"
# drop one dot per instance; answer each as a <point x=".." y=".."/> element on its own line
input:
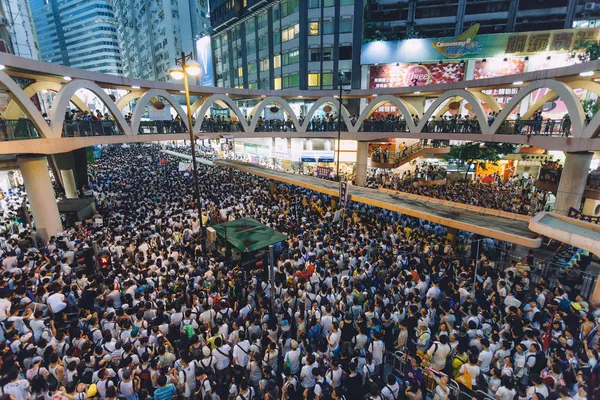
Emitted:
<point x="463" y="44"/>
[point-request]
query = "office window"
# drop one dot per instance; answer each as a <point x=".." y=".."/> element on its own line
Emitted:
<point x="251" y="68"/>
<point x="250" y="26"/>
<point x="314" y="3"/>
<point x="290" y="81"/>
<point x="313" y="79"/>
<point x="327" y="54"/>
<point x="290" y="33"/>
<point x="276" y="38"/>
<point x="262" y="20"/>
<point x="345" y="53"/>
<point x="277" y="61"/>
<point x="253" y="85"/>
<point x="346" y="2"/>
<point x="327" y="79"/>
<point x="277" y="84"/>
<point x="328" y="27"/>
<point x="276" y="14"/>
<point x="263" y="42"/>
<point x="313" y="28"/>
<point x="328" y="3"/>
<point x="346" y="25"/>
<point x="315" y="54"/>
<point x="264" y="83"/>
<point x="240" y="72"/>
<point x="264" y="64"/>
<point x="289" y="7"/>
<point x="291" y="57"/>
<point x="251" y="47"/>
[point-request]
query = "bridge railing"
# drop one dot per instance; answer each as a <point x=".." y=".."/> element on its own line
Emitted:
<point x="162" y="127"/>
<point x="82" y="128"/>
<point x="17" y="129"/>
<point x="552" y="127"/>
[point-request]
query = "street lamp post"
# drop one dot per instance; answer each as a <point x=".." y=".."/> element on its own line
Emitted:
<point x="185" y="66"/>
<point x="339" y="126"/>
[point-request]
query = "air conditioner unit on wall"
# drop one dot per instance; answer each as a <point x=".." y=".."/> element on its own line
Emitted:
<point x="589" y="6"/>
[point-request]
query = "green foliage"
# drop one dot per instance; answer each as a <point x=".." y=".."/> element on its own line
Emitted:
<point x="590" y="107"/>
<point x="89" y="153"/>
<point x="478" y="153"/>
<point x="586" y="50"/>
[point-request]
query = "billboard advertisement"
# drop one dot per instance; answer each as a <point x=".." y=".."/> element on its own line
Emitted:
<point x="471" y="45"/>
<point x="403" y="75"/>
<point x="498" y="67"/>
<point x="204" y="57"/>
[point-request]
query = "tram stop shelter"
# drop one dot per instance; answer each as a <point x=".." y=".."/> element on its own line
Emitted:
<point x="248" y="235"/>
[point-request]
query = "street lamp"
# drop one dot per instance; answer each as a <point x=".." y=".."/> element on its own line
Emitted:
<point x="183" y="67"/>
<point x="339" y="125"/>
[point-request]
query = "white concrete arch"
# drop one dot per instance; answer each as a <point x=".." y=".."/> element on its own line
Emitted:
<point x="57" y="114"/>
<point x="335" y="103"/>
<point x="128" y="98"/>
<point x="586" y="85"/>
<point x="381" y="100"/>
<point x="14" y="112"/>
<point x="566" y="93"/>
<point x="203" y="105"/>
<point x="463" y="94"/>
<point x="258" y="109"/>
<point x="195" y="106"/>
<point x="487" y="99"/>
<point x="23" y="101"/>
<point x="140" y="108"/>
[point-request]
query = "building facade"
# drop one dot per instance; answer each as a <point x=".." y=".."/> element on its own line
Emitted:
<point x="153" y="32"/>
<point x="20" y="28"/>
<point x="407" y="19"/>
<point x="288" y="44"/>
<point x="78" y="33"/>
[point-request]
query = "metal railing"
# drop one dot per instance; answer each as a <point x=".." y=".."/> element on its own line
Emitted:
<point x="209" y="125"/>
<point x="161" y="127"/>
<point x="17" y="129"/>
<point x="452" y="126"/>
<point x="384" y="126"/>
<point x="90" y="128"/>
<point x="554" y="127"/>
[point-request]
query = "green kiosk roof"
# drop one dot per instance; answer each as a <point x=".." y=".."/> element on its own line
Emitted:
<point x="247" y="234"/>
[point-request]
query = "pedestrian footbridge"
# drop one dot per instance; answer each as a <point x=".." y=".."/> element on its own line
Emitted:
<point x="25" y="128"/>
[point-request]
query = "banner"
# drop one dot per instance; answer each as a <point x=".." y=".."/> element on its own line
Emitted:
<point x="323" y="172"/>
<point x="575" y="213"/>
<point x="344" y="189"/>
<point x="183" y="167"/>
<point x="498" y="67"/>
<point x="404" y="75"/>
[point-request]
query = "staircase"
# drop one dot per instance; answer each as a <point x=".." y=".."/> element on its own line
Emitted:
<point x="399" y="158"/>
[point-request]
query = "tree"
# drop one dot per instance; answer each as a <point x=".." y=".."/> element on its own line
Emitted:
<point x="590" y="107"/>
<point x="586" y="50"/>
<point x="479" y="153"/>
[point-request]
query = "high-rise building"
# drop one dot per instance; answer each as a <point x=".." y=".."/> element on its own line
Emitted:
<point x="303" y="44"/>
<point x="153" y="32"/>
<point x="20" y="28"/>
<point x="5" y="40"/>
<point x="78" y="33"/>
<point x="407" y="19"/>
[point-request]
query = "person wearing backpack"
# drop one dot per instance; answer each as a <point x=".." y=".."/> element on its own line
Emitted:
<point x="391" y="390"/>
<point x="322" y="387"/>
<point x="289" y="390"/>
<point x="246" y="392"/>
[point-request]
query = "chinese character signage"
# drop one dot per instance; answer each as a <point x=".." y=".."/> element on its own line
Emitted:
<point x="463" y="44"/>
<point x="403" y="75"/>
<point x="344" y="188"/>
<point x="575" y="213"/>
<point x="548" y="41"/>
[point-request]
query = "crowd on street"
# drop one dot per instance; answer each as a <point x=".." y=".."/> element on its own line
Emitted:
<point x="157" y="316"/>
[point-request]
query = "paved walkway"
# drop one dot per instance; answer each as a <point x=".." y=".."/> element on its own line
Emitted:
<point x="504" y="226"/>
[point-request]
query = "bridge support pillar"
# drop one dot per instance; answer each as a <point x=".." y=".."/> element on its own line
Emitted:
<point x="41" y="195"/>
<point x="68" y="178"/>
<point x="572" y="181"/>
<point x="362" y="156"/>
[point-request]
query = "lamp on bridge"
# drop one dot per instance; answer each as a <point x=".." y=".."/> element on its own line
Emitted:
<point x="183" y="67"/>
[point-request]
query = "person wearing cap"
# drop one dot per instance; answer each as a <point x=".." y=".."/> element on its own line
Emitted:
<point x="291" y="359"/>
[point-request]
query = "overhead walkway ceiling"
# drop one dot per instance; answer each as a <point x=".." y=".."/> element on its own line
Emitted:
<point x="583" y="235"/>
<point x="491" y="223"/>
<point x="49" y="134"/>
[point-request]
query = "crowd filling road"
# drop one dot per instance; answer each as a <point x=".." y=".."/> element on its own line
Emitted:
<point x="155" y="318"/>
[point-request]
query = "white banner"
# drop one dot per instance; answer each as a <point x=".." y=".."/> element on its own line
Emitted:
<point x="184" y="166"/>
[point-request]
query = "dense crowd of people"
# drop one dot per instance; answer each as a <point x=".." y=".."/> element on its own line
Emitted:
<point x="155" y="317"/>
<point x="518" y="195"/>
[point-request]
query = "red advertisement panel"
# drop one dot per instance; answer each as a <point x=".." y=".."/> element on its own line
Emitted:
<point x="403" y="75"/>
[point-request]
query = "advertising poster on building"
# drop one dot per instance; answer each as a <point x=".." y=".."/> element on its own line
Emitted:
<point x="204" y="54"/>
<point x="403" y="75"/>
<point x="498" y="67"/>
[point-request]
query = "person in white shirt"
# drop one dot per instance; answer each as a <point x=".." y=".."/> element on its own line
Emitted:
<point x="391" y="390"/>
<point x="438" y="352"/>
<point x="485" y="356"/>
<point x="5" y="306"/>
<point x="241" y="350"/>
<point x="306" y="376"/>
<point x="222" y="354"/>
<point x="292" y="358"/>
<point x="506" y="391"/>
<point x="18" y="389"/>
<point x="377" y="348"/>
